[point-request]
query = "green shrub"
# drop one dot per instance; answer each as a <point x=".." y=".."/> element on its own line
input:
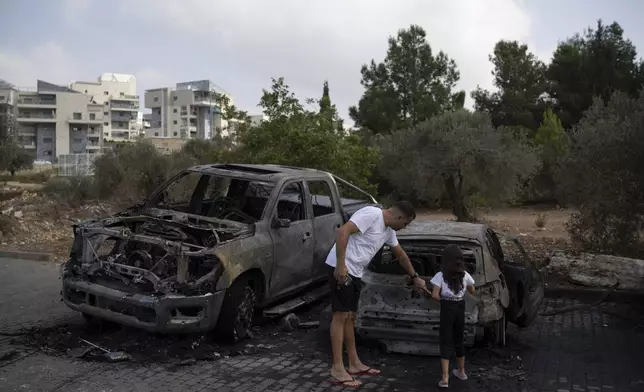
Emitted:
<point x="72" y="190"/>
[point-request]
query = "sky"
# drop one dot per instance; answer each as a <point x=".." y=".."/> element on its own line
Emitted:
<point x="241" y="44"/>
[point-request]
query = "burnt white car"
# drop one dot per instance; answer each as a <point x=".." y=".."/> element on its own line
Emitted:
<point x="509" y="283"/>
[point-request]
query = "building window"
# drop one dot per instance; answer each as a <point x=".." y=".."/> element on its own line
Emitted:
<point x="183" y="108"/>
<point x="77" y="116"/>
<point x="47" y="140"/>
<point x="107" y="103"/>
<point x="106" y="124"/>
<point x="77" y="140"/>
<point x="174" y="98"/>
<point x="174" y="110"/>
<point x="92" y="116"/>
<point x="91" y="129"/>
<point x="156" y="133"/>
<point x="106" y="92"/>
<point x="106" y="113"/>
<point x="175" y="122"/>
<point x="106" y="133"/>
<point x="175" y="134"/>
<point x="156" y="99"/>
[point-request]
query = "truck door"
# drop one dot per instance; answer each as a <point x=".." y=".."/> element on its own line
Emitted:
<point x="327" y="218"/>
<point x="293" y="244"/>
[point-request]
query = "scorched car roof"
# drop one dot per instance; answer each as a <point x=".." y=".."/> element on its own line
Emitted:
<point x="268" y="173"/>
<point x="437" y="228"/>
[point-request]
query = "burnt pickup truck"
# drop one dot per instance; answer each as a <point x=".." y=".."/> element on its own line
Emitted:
<point x="509" y="284"/>
<point x="210" y="247"/>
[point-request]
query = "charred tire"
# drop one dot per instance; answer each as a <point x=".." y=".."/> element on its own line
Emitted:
<point x="496" y="334"/>
<point x="236" y="315"/>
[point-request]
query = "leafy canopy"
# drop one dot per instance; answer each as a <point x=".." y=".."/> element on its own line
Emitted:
<point x="521" y="81"/>
<point x="595" y="64"/>
<point x="459" y="155"/>
<point x="604" y="175"/>
<point x="411" y="85"/>
<point x="298" y="136"/>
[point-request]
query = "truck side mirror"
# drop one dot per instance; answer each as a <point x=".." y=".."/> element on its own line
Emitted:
<point x="278" y="223"/>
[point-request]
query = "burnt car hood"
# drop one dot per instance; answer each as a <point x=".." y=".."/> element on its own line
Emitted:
<point x="152" y="251"/>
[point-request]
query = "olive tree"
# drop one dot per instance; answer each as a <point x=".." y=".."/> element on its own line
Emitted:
<point x="603" y="175"/>
<point x="457" y="154"/>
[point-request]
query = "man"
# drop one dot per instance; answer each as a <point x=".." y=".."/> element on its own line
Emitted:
<point x="357" y="242"/>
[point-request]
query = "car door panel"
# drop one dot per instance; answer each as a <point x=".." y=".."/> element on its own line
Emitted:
<point x="293" y="246"/>
<point x="327" y="218"/>
<point x="524" y="280"/>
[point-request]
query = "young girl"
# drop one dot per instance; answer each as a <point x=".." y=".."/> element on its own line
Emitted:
<point x="449" y="288"/>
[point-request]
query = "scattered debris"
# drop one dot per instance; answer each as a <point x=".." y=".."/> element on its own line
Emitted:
<point x="79" y="352"/>
<point x="581" y="306"/>
<point x="111" y="356"/>
<point x="309" y="325"/>
<point x="290" y="322"/>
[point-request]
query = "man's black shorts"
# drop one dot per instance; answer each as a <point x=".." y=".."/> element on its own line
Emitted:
<point x="344" y="297"/>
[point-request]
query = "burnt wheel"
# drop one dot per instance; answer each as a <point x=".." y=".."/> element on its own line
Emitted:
<point x="236" y="315"/>
<point x="496" y="334"/>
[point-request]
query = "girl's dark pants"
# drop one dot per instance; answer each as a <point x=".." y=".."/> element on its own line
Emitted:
<point x="452" y="327"/>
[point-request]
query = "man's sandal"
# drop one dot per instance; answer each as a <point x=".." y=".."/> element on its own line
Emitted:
<point x="367" y="372"/>
<point x="346" y="383"/>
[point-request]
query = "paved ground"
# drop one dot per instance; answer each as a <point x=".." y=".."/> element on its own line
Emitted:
<point x="583" y="350"/>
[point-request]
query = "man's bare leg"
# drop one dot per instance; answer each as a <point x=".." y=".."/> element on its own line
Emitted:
<point x="355" y="365"/>
<point x="337" y="337"/>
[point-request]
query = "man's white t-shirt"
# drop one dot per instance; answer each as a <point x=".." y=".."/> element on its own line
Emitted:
<point x="438" y="280"/>
<point x="363" y="246"/>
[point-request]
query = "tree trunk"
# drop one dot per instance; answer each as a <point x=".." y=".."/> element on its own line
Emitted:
<point x="455" y="193"/>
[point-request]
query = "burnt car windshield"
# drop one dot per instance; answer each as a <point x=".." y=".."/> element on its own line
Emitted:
<point x="215" y="196"/>
<point x="425" y="256"/>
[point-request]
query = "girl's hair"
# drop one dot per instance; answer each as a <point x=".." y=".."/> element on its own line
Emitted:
<point x="453" y="268"/>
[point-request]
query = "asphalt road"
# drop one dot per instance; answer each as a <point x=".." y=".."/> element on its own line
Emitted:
<point x="582" y="350"/>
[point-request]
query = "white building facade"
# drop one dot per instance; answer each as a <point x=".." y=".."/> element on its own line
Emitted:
<point x="190" y="111"/>
<point x="117" y="94"/>
<point x="55" y="120"/>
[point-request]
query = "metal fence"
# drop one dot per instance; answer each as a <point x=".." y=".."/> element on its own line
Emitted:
<point x="70" y="165"/>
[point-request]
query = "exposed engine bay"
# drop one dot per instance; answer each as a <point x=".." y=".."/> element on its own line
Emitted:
<point x="159" y="252"/>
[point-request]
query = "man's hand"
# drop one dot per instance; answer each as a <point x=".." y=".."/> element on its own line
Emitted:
<point x="420" y="283"/>
<point x="340" y="273"/>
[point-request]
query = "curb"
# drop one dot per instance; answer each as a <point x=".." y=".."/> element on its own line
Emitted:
<point x="592" y="294"/>
<point x="16" y="254"/>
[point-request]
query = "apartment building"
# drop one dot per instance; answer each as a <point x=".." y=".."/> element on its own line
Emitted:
<point x="117" y="94"/>
<point x="53" y="120"/>
<point x="8" y="100"/>
<point x="190" y="111"/>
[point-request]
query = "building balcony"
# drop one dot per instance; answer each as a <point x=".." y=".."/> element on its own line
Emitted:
<point x="35" y="118"/>
<point x="125" y="97"/>
<point x="117" y="106"/>
<point x="85" y="119"/>
<point x="25" y="102"/>
<point x="188" y="129"/>
<point x="93" y="146"/>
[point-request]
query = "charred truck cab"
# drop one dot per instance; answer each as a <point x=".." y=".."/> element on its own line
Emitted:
<point x="511" y="288"/>
<point x="210" y="247"/>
